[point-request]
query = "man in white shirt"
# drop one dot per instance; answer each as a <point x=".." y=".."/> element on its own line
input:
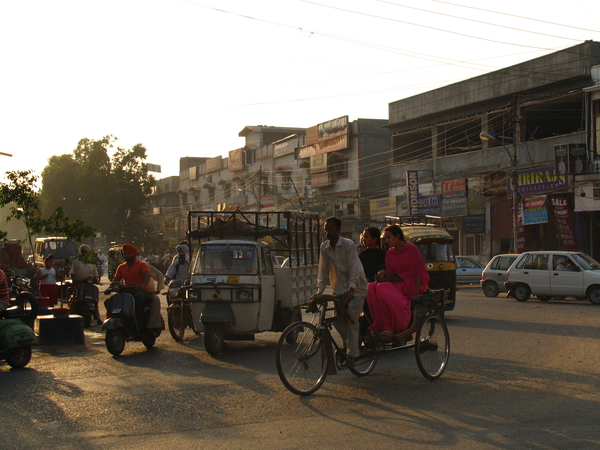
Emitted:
<point x="340" y="266"/>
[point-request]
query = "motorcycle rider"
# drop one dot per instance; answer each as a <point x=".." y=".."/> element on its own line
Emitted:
<point x="180" y="266"/>
<point x="134" y="272"/>
<point x="84" y="267"/>
<point x="84" y="271"/>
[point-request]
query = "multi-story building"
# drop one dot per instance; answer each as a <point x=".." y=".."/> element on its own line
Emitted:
<point x="327" y="168"/>
<point x="541" y="119"/>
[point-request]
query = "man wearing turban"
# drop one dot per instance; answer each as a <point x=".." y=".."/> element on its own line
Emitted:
<point x="136" y="273"/>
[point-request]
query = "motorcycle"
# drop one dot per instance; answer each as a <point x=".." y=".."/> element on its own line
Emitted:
<point x="84" y="302"/>
<point x="21" y="296"/>
<point x="123" y="322"/>
<point x="16" y="337"/>
<point x="179" y="311"/>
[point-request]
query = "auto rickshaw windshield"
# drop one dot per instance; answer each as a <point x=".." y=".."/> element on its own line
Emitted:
<point x="226" y="260"/>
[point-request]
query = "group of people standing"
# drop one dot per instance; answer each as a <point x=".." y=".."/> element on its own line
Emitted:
<point x="388" y="279"/>
<point x="135" y="272"/>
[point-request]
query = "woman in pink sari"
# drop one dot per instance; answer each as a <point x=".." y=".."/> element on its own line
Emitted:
<point x="404" y="279"/>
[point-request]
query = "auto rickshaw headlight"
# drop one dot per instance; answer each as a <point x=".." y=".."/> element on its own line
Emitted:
<point x="244" y="296"/>
<point x="192" y="295"/>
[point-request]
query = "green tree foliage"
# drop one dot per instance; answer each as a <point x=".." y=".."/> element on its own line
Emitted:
<point x="109" y="193"/>
<point x="23" y="203"/>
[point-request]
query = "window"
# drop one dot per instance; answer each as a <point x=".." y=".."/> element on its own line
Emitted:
<point x="553" y="117"/>
<point x="338" y="171"/>
<point x="596" y="134"/>
<point x="534" y="262"/>
<point x="412" y="146"/>
<point x="458" y="137"/>
<point x="249" y="156"/>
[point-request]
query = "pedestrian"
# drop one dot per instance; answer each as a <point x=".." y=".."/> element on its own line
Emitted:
<point x="340" y="266"/>
<point x="48" y="276"/>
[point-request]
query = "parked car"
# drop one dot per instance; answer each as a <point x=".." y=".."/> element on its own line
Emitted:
<point x="494" y="274"/>
<point x="554" y="274"/>
<point x="468" y="270"/>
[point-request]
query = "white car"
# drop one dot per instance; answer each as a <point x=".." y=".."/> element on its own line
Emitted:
<point x="554" y="274"/>
<point x="494" y="274"/>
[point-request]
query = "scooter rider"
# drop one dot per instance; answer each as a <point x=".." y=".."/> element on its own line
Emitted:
<point x="180" y="266"/>
<point x="134" y="272"/>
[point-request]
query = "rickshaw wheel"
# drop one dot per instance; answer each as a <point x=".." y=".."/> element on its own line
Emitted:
<point x="292" y="337"/>
<point x="432" y="346"/>
<point x="177" y="325"/>
<point x="366" y="362"/>
<point x="213" y="338"/>
<point x="302" y="366"/>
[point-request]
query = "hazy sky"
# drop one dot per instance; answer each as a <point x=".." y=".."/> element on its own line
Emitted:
<point x="184" y="77"/>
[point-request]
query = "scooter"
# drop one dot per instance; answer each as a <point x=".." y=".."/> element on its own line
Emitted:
<point x="16" y="337"/>
<point x="84" y="302"/>
<point x="22" y="297"/>
<point x="179" y="311"/>
<point x="123" y="323"/>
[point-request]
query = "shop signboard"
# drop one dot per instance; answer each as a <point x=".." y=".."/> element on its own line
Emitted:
<point x="430" y="205"/>
<point x="236" y="160"/>
<point x="382" y="207"/>
<point x="562" y="213"/>
<point x="535" y="210"/>
<point x="412" y="189"/>
<point x="454" y="198"/>
<point x="474" y="224"/>
<point x="537" y="181"/>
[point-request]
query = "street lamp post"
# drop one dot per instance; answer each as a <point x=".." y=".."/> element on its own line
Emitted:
<point x="514" y="184"/>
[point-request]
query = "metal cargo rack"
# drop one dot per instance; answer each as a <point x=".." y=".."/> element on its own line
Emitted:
<point x="294" y="232"/>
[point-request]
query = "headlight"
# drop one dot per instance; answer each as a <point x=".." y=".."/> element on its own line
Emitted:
<point x="192" y="295"/>
<point x="173" y="292"/>
<point x="244" y="296"/>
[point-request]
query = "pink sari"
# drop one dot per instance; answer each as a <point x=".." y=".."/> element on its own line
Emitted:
<point x="389" y="303"/>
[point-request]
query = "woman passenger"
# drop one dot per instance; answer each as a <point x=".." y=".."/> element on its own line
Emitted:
<point x="404" y="279"/>
<point x="373" y="256"/>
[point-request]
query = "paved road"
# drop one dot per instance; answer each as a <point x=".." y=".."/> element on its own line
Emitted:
<point x="521" y="375"/>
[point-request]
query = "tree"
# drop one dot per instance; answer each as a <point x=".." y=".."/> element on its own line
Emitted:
<point x="92" y="187"/>
<point x="23" y="204"/>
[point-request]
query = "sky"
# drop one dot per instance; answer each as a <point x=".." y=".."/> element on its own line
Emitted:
<point x="184" y="77"/>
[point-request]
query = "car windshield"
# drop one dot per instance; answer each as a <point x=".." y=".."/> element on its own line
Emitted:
<point x="586" y="261"/>
<point x="226" y="260"/>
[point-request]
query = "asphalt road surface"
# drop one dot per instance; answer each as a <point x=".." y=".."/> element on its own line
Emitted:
<point x="520" y="376"/>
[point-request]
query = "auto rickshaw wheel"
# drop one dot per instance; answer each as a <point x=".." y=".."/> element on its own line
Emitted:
<point x="213" y="338"/>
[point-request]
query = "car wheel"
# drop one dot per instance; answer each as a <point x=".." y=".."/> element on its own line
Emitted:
<point x="593" y="295"/>
<point x="490" y="289"/>
<point x="521" y="292"/>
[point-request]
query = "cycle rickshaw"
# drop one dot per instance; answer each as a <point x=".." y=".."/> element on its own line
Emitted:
<point x="304" y="365"/>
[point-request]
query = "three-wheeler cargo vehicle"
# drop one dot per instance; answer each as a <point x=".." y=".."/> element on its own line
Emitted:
<point x="236" y="286"/>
